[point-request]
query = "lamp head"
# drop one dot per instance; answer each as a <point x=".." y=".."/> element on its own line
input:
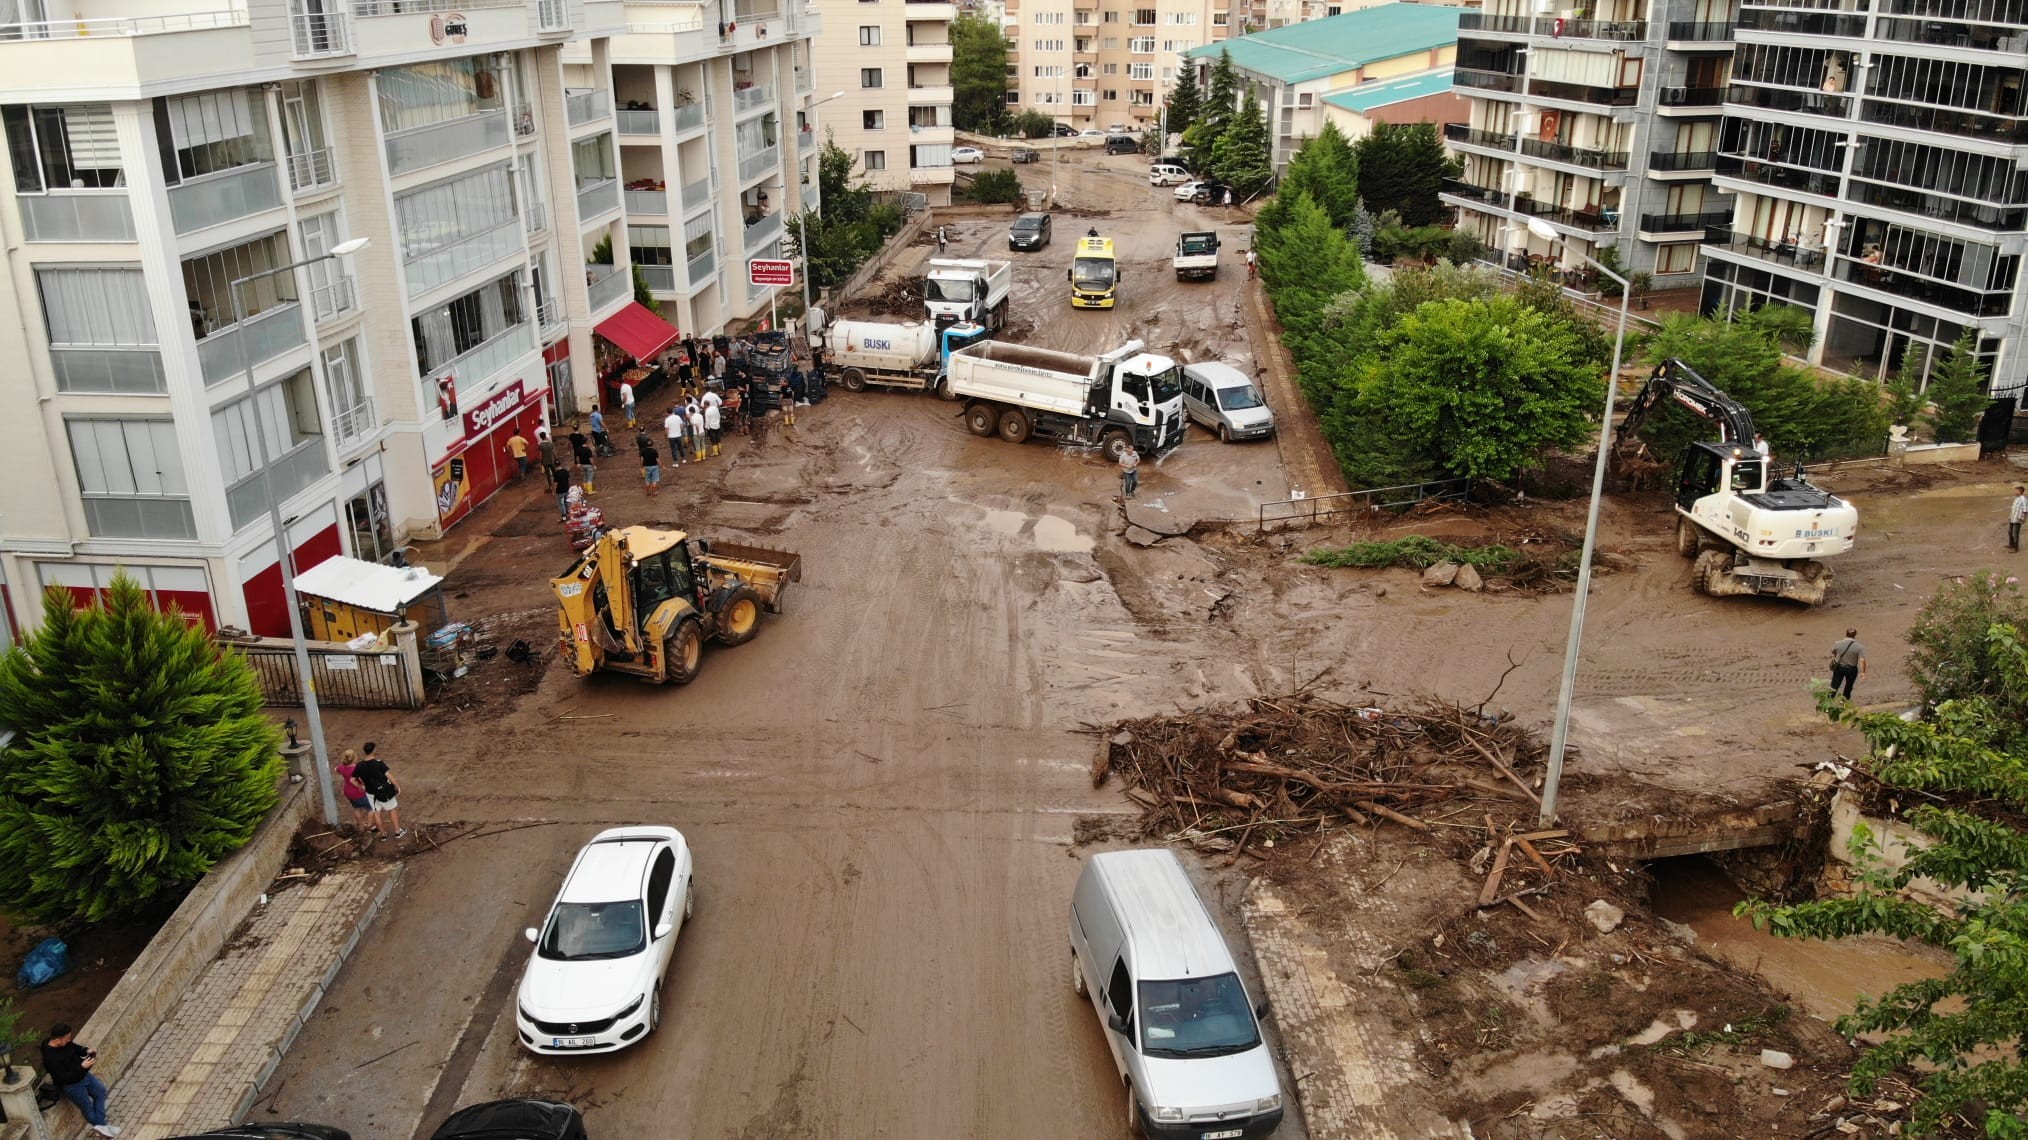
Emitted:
<point x="1542" y="229"/>
<point x="346" y="248"/>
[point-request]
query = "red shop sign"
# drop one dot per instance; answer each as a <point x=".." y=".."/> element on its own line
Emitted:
<point x="492" y="410"/>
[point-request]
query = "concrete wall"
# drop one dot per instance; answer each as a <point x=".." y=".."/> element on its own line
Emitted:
<point x="1893" y="842"/>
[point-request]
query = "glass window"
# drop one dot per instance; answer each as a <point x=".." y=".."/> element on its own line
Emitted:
<point x="96" y="305"/>
<point x="873" y="120"/>
<point x="869" y="77"/>
<point x="210" y="132"/>
<point x="437" y="91"/>
<point x="285" y="415"/>
<point x="130" y="475"/>
<point x="446" y="212"/>
<point x="592" y="160"/>
<point x="460" y="325"/>
<point x="581" y="932"/>
<point x="876" y="160"/>
<point x="869" y="35"/>
<point x="649" y="245"/>
<point x="1196" y="1017"/>
<point x="208" y="278"/>
<point x="58" y="148"/>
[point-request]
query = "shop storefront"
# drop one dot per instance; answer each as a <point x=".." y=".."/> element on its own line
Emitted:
<point x="626" y="347"/>
<point x="476" y="467"/>
<point x="185" y="588"/>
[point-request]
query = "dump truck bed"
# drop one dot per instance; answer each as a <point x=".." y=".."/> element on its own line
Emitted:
<point x="767" y="570"/>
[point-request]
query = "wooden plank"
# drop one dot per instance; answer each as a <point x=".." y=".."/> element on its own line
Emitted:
<point x="1491" y="890"/>
<point x="1502" y="766"/>
<point x="1529" y="850"/>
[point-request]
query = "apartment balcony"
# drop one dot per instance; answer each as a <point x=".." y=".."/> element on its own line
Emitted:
<point x="1670" y="164"/>
<point x="614" y="284"/>
<point x="490" y="358"/>
<point x="1581" y="220"/>
<point x="333" y="299"/>
<point x="535" y="216"/>
<point x="1586" y="157"/>
<point x="649" y="202"/>
<point x="596" y="198"/>
<point x="697" y="194"/>
<point x="1699" y="35"/>
<point x="219" y="198"/>
<point x="1477" y="79"/>
<point x="1492" y="22"/>
<point x="941" y="53"/>
<point x="1789" y="100"/>
<point x="1467" y="193"/>
<point x="466" y="255"/>
<point x="1961" y="124"/>
<point x="355" y="424"/>
<point x="587" y="106"/>
<point x="763" y="230"/>
<point x="227" y="352"/>
<point x="524" y="120"/>
<point x="634" y="121"/>
<point x="128" y="52"/>
<point x="1680" y="227"/>
<point x="318" y="34"/>
<point x="1551" y="26"/>
<point x="1823" y="183"/>
<point x="419" y="148"/>
<point x="701" y="268"/>
<point x="311" y="172"/>
<point x="76" y="215"/>
<point x="1935" y="208"/>
<point x="932" y="136"/>
<point x="760" y="162"/>
<point x="932" y="175"/>
<point x="686" y="118"/>
<point x="931" y="10"/>
<point x="748" y="100"/>
<point x="1693" y="101"/>
<point x="1471" y="136"/>
<point x="929" y="96"/>
<point x="289" y="474"/>
<point x="549" y="317"/>
<point x="1910" y="283"/>
<point x="660" y="278"/>
<point x="1799" y="21"/>
<point x="108" y="370"/>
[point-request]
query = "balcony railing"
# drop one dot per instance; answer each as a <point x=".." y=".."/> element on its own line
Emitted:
<point x="218" y="198"/>
<point x="615" y="284"/>
<point x="759" y="162"/>
<point x="311" y="170"/>
<point x="354" y="423"/>
<point x="315" y="35"/>
<point x="107" y="369"/>
<point x="71" y="29"/>
<point x="549" y="315"/>
<point x="1679" y="161"/>
<point x="763" y="231"/>
<point x="1568" y="29"/>
<point x="536" y="216"/>
<point x="1821" y="182"/>
<point x="647" y="201"/>
<point x="639" y="121"/>
<point x="1905" y="282"/>
<point x="752" y="98"/>
<point x="596" y="198"/>
<point x="1984" y="215"/>
<point x="334" y="298"/>
<point x="660" y="278"/>
<point x="77" y="215"/>
<point x="1701" y="31"/>
<point x="687" y="117"/>
<point x="1945" y="120"/>
<point x="1489" y="22"/>
<point x="1591" y="220"/>
<point x="587" y="106"/>
<point x="697" y="194"/>
<point x="474" y="368"/>
<point x="552" y="15"/>
<point x="1458" y="188"/>
<point x="702" y="267"/>
<point x="463" y="256"/>
<point x="1575" y="155"/>
<point x="265" y="336"/>
<point x="420" y="147"/>
<point x="1691" y="96"/>
<point x="1684" y="223"/>
<point x="289" y="474"/>
<point x="1788" y="99"/>
<point x="1803" y="23"/>
<point x="409" y="7"/>
<point x="524" y="120"/>
<point x="1464" y="133"/>
<point x="1484" y="80"/>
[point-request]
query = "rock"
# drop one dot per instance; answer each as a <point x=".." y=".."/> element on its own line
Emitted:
<point x="1613" y="560"/>
<point x="1123" y="737"/>
<point x="1604" y="916"/>
<point x="1380" y="591"/>
<point x="1834" y="1104"/>
<point x="1776" y="1059"/>
<point x="1142" y="536"/>
<point x="1468" y="579"/>
<point x="1441" y="574"/>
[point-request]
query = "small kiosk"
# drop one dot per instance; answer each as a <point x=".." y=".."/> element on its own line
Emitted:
<point x="344" y="599"/>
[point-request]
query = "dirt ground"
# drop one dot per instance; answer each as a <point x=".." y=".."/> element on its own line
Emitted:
<point x="884" y="791"/>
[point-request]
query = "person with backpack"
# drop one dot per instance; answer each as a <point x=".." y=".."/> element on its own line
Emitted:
<point x="381" y="791"/>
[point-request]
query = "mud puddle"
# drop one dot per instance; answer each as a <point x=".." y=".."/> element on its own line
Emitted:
<point x="1052" y="534"/>
<point x="1823" y="977"/>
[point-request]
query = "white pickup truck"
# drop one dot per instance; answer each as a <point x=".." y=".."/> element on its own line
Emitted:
<point x="1197" y="256"/>
<point x="1019" y="392"/>
<point x="967" y="289"/>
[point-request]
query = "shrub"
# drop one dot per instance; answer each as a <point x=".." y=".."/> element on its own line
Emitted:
<point x="995" y="186"/>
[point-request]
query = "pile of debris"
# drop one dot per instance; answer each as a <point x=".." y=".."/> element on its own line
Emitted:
<point x="1283" y="765"/>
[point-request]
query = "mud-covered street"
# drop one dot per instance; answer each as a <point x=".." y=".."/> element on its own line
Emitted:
<point x="884" y="790"/>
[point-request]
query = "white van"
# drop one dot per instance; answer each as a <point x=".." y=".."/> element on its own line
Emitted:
<point x="1225" y="400"/>
<point x="1163" y="174"/>
<point x="1174" y="1011"/>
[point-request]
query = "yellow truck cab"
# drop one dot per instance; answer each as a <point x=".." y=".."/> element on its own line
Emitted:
<point x="1094" y="273"/>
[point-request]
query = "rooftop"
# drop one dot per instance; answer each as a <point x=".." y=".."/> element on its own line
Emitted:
<point x="1368" y="96"/>
<point x="1318" y="49"/>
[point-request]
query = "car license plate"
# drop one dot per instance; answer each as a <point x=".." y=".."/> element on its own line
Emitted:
<point x="587" y="1042"/>
<point x="1228" y="1134"/>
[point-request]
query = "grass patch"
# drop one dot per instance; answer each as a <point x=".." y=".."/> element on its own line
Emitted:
<point x="1691" y="1043"/>
<point x="1416" y="552"/>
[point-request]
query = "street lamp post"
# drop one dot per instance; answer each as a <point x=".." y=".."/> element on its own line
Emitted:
<point x="803" y="222"/>
<point x="320" y="757"/>
<point x="1560" y="734"/>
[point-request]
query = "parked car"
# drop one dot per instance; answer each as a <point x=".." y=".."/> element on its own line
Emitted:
<point x="1023" y="154"/>
<point x="1187" y="192"/>
<point x="594" y="983"/>
<point x="1225" y="400"/>
<point x="1065" y="131"/>
<point x="1029" y="231"/>
<point x="1121" y="144"/>
<point x="1166" y="174"/>
<point x="521" y="1119"/>
<point x="1120" y="129"/>
<point x="252" y="1131"/>
<point x="1091" y="133"/>
<point x="1210" y="192"/>
<point x="962" y="154"/>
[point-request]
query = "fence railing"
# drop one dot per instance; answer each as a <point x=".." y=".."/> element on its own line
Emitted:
<point x="589" y="105"/>
<point x="386" y="679"/>
<point x="314" y="35"/>
<point x="266" y="336"/>
<point x="647" y="201"/>
<point x="702" y="267"/>
<point x="596" y="198"/>
<point x="759" y="162"/>
<point x="660" y="278"/>
<point x="418" y="147"/>
<point x="613" y="285"/>
<point x="311" y="170"/>
<point x="697" y="193"/>
<point x="1318" y="507"/>
<point x="219" y="198"/>
<point x="639" y="120"/>
<point x="77" y="215"/>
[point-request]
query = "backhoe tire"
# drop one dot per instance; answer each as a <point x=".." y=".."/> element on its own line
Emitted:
<point x="684" y="652"/>
<point x="1688" y="537"/>
<point x="1015" y="426"/>
<point x="739" y="616"/>
<point x="854" y="380"/>
<point x="1115" y="444"/>
<point x="982" y="420"/>
<point x="1707" y="574"/>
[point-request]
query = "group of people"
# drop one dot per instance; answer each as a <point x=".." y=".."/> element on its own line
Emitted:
<point x="370" y="790"/>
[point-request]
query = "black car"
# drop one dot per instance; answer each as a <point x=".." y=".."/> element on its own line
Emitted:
<point x="251" y="1131"/>
<point x="1065" y="131"/>
<point x="524" y="1119"/>
<point x="1029" y="231"/>
<point x="1025" y="154"/>
<point x="1210" y="192"/>
<point x="1121" y="144"/>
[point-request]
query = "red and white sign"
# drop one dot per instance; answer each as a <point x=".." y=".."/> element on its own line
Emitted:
<point x="492" y="410"/>
<point x="761" y="271"/>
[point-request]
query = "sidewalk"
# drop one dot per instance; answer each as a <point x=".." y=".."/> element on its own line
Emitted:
<point x="1307" y="458"/>
<point x="206" y="1064"/>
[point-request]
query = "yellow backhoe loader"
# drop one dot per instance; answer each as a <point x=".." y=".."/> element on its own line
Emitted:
<point x="643" y="601"/>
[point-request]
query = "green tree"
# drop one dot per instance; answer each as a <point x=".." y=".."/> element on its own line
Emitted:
<point x="1032" y="124"/>
<point x="1951" y="655"/>
<point x="978" y="73"/>
<point x="642" y="294"/>
<point x="995" y="186"/>
<point x="1221" y="100"/>
<point x="1801" y="415"/>
<point x="1401" y="168"/>
<point x="1243" y="157"/>
<point x="1324" y="169"/>
<point x="1958" y="1036"/>
<point x="1957" y="392"/>
<point x="1185" y="102"/>
<point x="1307" y="263"/>
<point x="141" y="757"/>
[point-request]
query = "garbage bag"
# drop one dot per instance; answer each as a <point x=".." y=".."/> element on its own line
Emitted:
<point x="49" y="961"/>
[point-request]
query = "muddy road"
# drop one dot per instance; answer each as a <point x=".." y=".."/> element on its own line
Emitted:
<point x="883" y="789"/>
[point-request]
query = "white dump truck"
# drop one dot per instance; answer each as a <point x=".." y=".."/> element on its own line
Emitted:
<point x="1019" y="392"/>
<point x="907" y="355"/>
<point x="967" y="289"/>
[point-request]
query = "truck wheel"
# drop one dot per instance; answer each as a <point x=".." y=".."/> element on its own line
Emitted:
<point x="1133" y="1113"/>
<point x="683" y="653"/>
<point x="1076" y="976"/>
<point x="943" y="388"/>
<point x="739" y="616"/>
<point x="1115" y="444"/>
<point x="982" y="419"/>
<point x="1224" y="434"/>
<point x="1687" y="537"/>
<point x="853" y="379"/>
<point x="1014" y="426"/>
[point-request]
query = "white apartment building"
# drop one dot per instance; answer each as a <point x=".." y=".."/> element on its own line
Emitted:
<point x="1105" y="63"/>
<point x="154" y="160"/>
<point x="889" y="64"/>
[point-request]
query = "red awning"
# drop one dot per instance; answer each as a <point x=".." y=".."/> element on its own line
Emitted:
<point x="638" y="331"/>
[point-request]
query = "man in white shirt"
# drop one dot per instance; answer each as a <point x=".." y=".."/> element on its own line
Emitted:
<point x="2015" y="516"/>
<point x="627" y="401"/>
<point x="674" y="425"/>
<point x="697" y="432"/>
<point x="712" y="423"/>
<point x="1760" y="445"/>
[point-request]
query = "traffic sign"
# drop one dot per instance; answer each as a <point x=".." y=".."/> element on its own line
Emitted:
<point x="762" y="271"/>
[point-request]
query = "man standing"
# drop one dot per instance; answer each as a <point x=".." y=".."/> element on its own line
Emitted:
<point x="69" y="1066"/>
<point x="545" y="447"/>
<point x="674" y="425"/>
<point x="627" y="401"/>
<point x="586" y="473"/>
<point x="1252" y="264"/>
<point x="559" y="478"/>
<point x="517" y="446"/>
<point x="697" y="432"/>
<point x="651" y="463"/>
<point x="1848" y="662"/>
<point x="1130" y="472"/>
<point x="2015" y="516"/>
<point x="598" y="432"/>
<point x="1760" y="446"/>
<point x="372" y="772"/>
<point x="714" y="425"/>
<point x="943" y="241"/>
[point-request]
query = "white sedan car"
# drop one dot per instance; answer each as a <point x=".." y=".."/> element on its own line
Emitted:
<point x="1091" y="133"/>
<point x="594" y="983"/>
<point x="1187" y="191"/>
<point x="961" y="154"/>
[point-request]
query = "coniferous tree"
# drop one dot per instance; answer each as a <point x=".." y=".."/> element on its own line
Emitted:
<point x="1186" y="102"/>
<point x="140" y="758"/>
<point x="1243" y="156"/>
<point x="1325" y="169"/>
<point x="1957" y="392"/>
<point x="1220" y="101"/>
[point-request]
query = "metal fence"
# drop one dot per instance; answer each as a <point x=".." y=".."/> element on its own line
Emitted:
<point x="1317" y="507"/>
<point x="382" y="680"/>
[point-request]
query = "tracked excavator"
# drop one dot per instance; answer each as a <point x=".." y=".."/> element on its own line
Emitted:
<point x="1749" y="531"/>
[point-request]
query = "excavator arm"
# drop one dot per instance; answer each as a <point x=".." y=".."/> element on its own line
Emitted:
<point x="1675" y="380"/>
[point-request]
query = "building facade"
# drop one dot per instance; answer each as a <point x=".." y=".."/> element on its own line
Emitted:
<point x="888" y="62"/>
<point x="167" y="172"/>
<point x="1104" y="64"/>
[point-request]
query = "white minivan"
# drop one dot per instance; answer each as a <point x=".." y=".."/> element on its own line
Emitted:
<point x="1164" y="174"/>
<point x="1225" y="400"/>
<point x="1176" y="1016"/>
